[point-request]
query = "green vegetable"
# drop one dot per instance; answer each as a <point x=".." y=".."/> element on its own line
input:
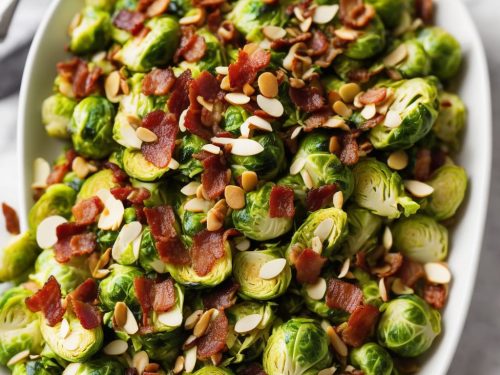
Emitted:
<point x="56" y="115"/>
<point x="119" y="286"/>
<point x="369" y="43"/>
<point x="148" y="255"/>
<point x="372" y="359"/>
<point x="58" y="199"/>
<point x="136" y="165"/>
<point x="99" y="366"/>
<point x="190" y="144"/>
<point x="390" y="11"/>
<point x="416" y="63"/>
<point x="364" y="228"/>
<point x="450" y="122"/>
<point x="101" y="180"/>
<point x="17" y="257"/>
<point x="212" y="370"/>
<point x="92" y="33"/>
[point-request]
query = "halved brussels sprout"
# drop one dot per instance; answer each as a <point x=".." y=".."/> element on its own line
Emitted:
<point x="136" y="165"/>
<point x="189" y="145"/>
<point x="254" y="221"/>
<point x="450" y="122"/>
<point x="17" y="257"/>
<point x="390" y="11"/>
<point x="98" y="366"/>
<point x="364" y="228"/>
<point x="118" y="286"/>
<point x="158" y="325"/>
<point x="381" y="190"/>
<point x="57" y="111"/>
<point x="212" y="370"/>
<point x="416" y="63"/>
<point x="192" y="222"/>
<point x="40" y="366"/>
<point x="93" y="32"/>
<point x="444" y="51"/>
<point x="369" y="287"/>
<point x="58" y="199"/>
<point x="416" y="104"/>
<point x="421" y="238"/>
<point x="372" y="359"/>
<point x="19" y="327"/>
<point x="369" y="43"/>
<point x="141" y="54"/>
<point x="101" y="180"/>
<point x="408" y="326"/>
<point x="233" y="118"/>
<point x="162" y="346"/>
<point x="247" y="265"/>
<point x="91" y="127"/>
<point x="299" y="346"/>
<point x="148" y="255"/>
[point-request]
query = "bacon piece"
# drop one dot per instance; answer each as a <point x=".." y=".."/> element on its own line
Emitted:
<point x="197" y="51"/>
<point x="355" y="14"/>
<point x="83" y="244"/>
<point x="308" y="265"/>
<point x="192" y="46"/>
<point x="281" y="202"/>
<point x="207" y="248"/>
<point x="423" y="163"/>
<point x="373" y="96"/>
<point x="309" y="98"/>
<point x="164" y="125"/>
<point x="64" y="248"/>
<point x="138" y="195"/>
<point x="361" y="75"/>
<point x="11" y="219"/>
<point x="435" y="295"/>
<point x="342" y="295"/>
<point x="179" y="99"/>
<point x="245" y="69"/>
<point x="317" y="119"/>
<point x="48" y="301"/>
<point x="369" y="124"/>
<point x="320" y="197"/>
<point x="158" y="82"/>
<point x="318" y="44"/>
<point x="86" y="291"/>
<point x="173" y="251"/>
<point x="410" y="272"/>
<point x="88" y="315"/>
<point x="85" y="80"/>
<point x="60" y="170"/>
<point x="395" y="261"/>
<point x="158" y="296"/>
<point x="222" y="297"/>
<point x="424" y="9"/>
<point x="119" y="176"/>
<point x="163" y="295"/>
<point x="143" y="287"/>
<point x="214" y="20"/>
<point x="361" y="261"/>
<point x="283" y="43"/>
<point x="87" y="210"/>
<point x="350" y="151"/>
<point x="132" y="22"/>
<point x="360" y="325"/>
<point x="214" y="340"/>
<point x="215" y="176"/>
<point x="122" y="192"/>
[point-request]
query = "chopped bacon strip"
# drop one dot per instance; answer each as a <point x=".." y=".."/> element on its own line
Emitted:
<point x="83" y="244"/>
<point x="65" y="246"/>
<point x="423" y="163"/>
<point x="87" y="210"/>
<point x="342" y="295"/>
<point x="410" y="272"/>
<point x="214" y="20"/>
<point x="350" y="151"/>
<point x="355" y="14"/>
<point x="308" y="265"/>
<point x="360" y="325"/>
<point x="319" y="44"/>
<point x="60" y="170"/>
<point x="281" y="202"/>
<point x="138" y="195"/>
<point x="119" y="176"/>
<point x="317" y="119"/>
<point x="214" y="340"/>
<point x="373" y="96"/>
<point x="163" y="295"/>
<point x="361" y="261"/>
<point x="158" y="296"/>
<point x="179" y="99"/>
<point x="222" y="297"/>
<point x="158" y="82"/>
<point x="88" y="315"/>
<point x="309" y="98"/>
<point x="132" y="22"/>
<point x="86" y="291"/>
<point x="11" y="219"/>
<point x="424" y="9"/>
<point x="371" y="123"/>
<point x="173" y="251"/>
<point x="362" y="75"/>
<point x="143" y="287"/>
<point x="435" y="295"/>
<point x="245" y="69"/>
<point x="164" y="125"/>
<point x="215" y="176"/>
<point x="85" y="80"/>
<point x="48" y="301"/>
<point x="320" y="197"/>
<point x="283" y="43"/>
<point x="192" y="46"/>
<point x="395" y="261"/>
<point x="122" y="192"/>
<point x="207" y="248"/>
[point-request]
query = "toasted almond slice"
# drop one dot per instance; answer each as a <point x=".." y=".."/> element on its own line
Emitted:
<point x="197" y="205"/>
<point x="130" y="325"/>
<point x="120" y="314"/>
<point x="349" y="91"/>
<point x="190" y="188"/>
<point x="140" y="361"/>
<point x="396" y="56"/>
<point x="399" y="288"/>
<point x="195" y="16"/>
<point x="146" y="135"/>
<point x="259" y="122"/>
<point x="296" y="132"/>
<point x="272" y="269"/>
<point x="387" y="238"/>
<point x="335" y="145"/>
<point x="112" y="86"/>
<point x="337" y="343"/>
<point x="392" y="119"/>
<point x="41" y="171"/>
<point x="129" y="233"/>
<point x="268" y="84"/>
<point x="324" y="229"/>
<point x="317" y="290"/>
<point x="72" y="369"/>
<point x="342" y="109"/>
<point x="328" y="371"/>
<point x="237" y="98"/>
<point x="100" y="273"/>
<point x="171" y="318"/>
<point x="214" y="222"/>
<point x="116" y="347"/>
<point x="192" y="319"/>
<point x="298" y="13"/>
<point x="245" y="147"/>
<point x="18" y="357"/>
<point x="297" y="166"/>
<point x="179" y="365"/>
<point x="156" y="9"/>
<point x="223" y="70"/>
<point x="369" y="111"/>
<point x="325" y="13"/>
<point x="46" y="231"/>
<point x="346" y="34"/>
<point x="213" y="149"/>
<point x="356" y="101"/>
<point x="292" y="54"/>
<point x="248" y="323"/>
<point x="190" y="359"/>
<point x="242" y="244"/>
<point x="273" y="32"/>
<point x="112" y="215"/>
<point x="182" y="119"/>
<point x="190" y="340"/>
<point x="383" y="290"/>
<point x="225" y="84"/>
<point x="398" y="160"/>
<point x="173" y="164"/>
<point x="249" y="180"/>
<point x="63" y="329"/>
<point x="437" y="272"/>
<point x="306" y="177"/>
<point x="201" y="326"/>
<point x="317" y="244"/>
<point x="72" y="341"/>
<point x="345" y="268"/>
<point x="272" y="107"/>
<point x="248" y="90"/>
<point x="306" y="24"/>
<point x="335" y="123"/>
<point x="207" y="105"/>
<point x="418" y="189"/>
<point x="235" y="197"/>
<point x="338" y="199"/>
<point x="80" y="167"/>
<point x="297" y="83"/>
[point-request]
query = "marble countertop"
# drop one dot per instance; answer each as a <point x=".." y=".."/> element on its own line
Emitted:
<point x="478" y="352"/>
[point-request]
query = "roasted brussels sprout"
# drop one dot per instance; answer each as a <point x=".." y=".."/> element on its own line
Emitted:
<point x="136" y="166"/>
<point x="56" y="115"/>
<point x="299" y="346"/>
<point x="17" y="257"/>
<point x="369" y="43"/>
<point x="408" y="326"/>
<point x="363" y="230"/>
<point x="372" y="359"/>
<point x="162" y="346"/>
<point x="212" y="370"/>
<point x="119" y="286"/>
<point x="148" y="255"/>
<point x="319" y="306"/>
<point x="98" y="366"/>
<point x="58" y="199"/>
<point x="390" y="11"/>
<point x="450" y="122"/>
<point x="369" y="287"/>
<point x="233" y="118"/>
<point x="189" y="145"/>
<point x="416" y="63"/>
<point x="101" y="180"/>
<point x="254" y="221"/>
<point x="421" y="238"/>
<point x="91" y="127"/>
<point x="381" y="190"/>
<point x="93" y="33"/>
<point x="40" y="366"/>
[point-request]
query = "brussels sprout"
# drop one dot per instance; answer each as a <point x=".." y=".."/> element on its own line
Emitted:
<point x="267" y="164"/>
<point x="93" y="32"/>
<point x="192" y="222"/>
<point x="372" y="359"/>
<point x="126" y="4"/>
<point x="41" y="366"/>
<point x="58" y="199"/>
<point x="343" y="66"/>
<point x="334" y="224"/>
<point x="450" y="184"/>
<point x="99" y="366"/>
<point x="408" y="326"/>
<point x="163" y="346"/>
<point x="136" y="165"/>
<point x="73" y="181"/>
<point x="299" y="346"/>
<point x="416" y="63"/>
<point x="421" y="238"/>
<point x="141" y="54"/>
<point x="444" y="51"/>
<point x="19" y="327"/>
<point x="254" y="221"/>
<point x="369" y="43"/>
<point x="119" y="286"/>
<point x="17" y="257"/>
<point x="416" y="103"/>
<point x="371" y="292"/>
<point x="363" y="231"/>
<point x="212" y="370"/>
<point x="233" y="118"/>
<point x="190" y="144"/>
<point x="450" y="122"/>
<point x="101" y="180"/>
<point x="247" y="265"/>
<point x="381" y="190"/>
<point x="91" y="127"/>
<point x="69" y="275"/>
<point x="160" y="192"/>
<point x="148" y="255"/>
<point x="106" y="5"/>
<point x="249" y="16"/>
<point x="158" y="325"/>
<point x="56" y="115"/>
<point x="390" y="11"/>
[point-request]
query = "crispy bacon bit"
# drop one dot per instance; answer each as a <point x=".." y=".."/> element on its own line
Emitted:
<point x="361" y="261"/>
<point x="215" y="176"/>
<point x="424" y="10"/>
<point x="122" y="192"/>
<point x="317" y="119"/>
<point x="143" y="5"/>
<point x="320" y="197"/>
<point x="119" y="176"/>
<point x="86" y="291"/>
<point x="361" y="75"/>
<point x="410" y="272"/>
<point x="308" y="265"/>
<point x="283" y="43"/>
<point x="60" y="170"/>
<point x="373" y="96"/>
<point x="164" y="125"/>
<point x="214" y="19"/>
<point x="83" y="244"/>
<point x="163" y="295"/>
<point x="369" y="124"/>
<point x="192" y="46"/>
<point x="350" y="151"/>
<point x="158" y="82"/>
<point x="308" y="98"/>
<point x="138" y="195"/>
<point x="360" y="325"/>
<point x="423" y="163"/>
<point x="179" y="99"/>
<point x="129" y="21"/>
<point x="143" y="290"/>
<point x="318" y="44"/>
<point x="173" y="251"/>
<point x="87" y="210"/>
<point x="11" y="219"/>
<point x="354" y="13"/>
<point x="85" y="80"/>
<point x="87" y="314"/>
<point x="281" y="202"/>
<point x="154" y="296"/>
<point x="64" y="247"/>
<point x="207" y="248"/>
<point x="435" y="295"/>
<point x="222" y="297"/>
<point x="214" y="340"/>
<point x="245" y="69"/>
<point x="343" y="295"/>
<point x="48" y="301"/>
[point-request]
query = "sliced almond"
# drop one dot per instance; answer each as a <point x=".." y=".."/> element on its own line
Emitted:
<point x="202" y="325"/>
<point x="297" y="166"/>
<point x="235" y="197"/>
<point x="207" y="105"/>
<point x="245" y="147"/>
<point x="195" y="16"/>
<point x="369" y="111"/>
<point x="317" y="245"/>
<point x="437" y="272"/>
<point x="297" y="83"/>
<point x="190" y="188"/>
<point x="292" y="54"/>
<point x="349" y="91"/>
<point x="325" y="14"/>
<point x="249" y="180"/>
<point x="418" y="189"/>
<point x="306" y="177"/>
<point x="338" y="199"/>
<point x="223" y="70"/>
<point x="242" y="244"/>
<point x="399" y="288"/>
<point x="130" y="326"/>
<point x="179" y="365"/>
<point x="396" y="56"/>
<point x="80" y="167"/>
<point x="112" y="86"/>
<point x="392" y="119"/>
<point x="338" y="345"/>
<point x="182" y="119"/>
<point x="63" y="329"/>
<point x="129" y="138"/>
<point x="254" y="122"/>
<point x="273" y="32"/>
<point x="237" y="98"/>
<point x="346" y="34"/>
<point x="21" y="356"/>
<point x="383" y="290"/>
<point x="387" y="238"/>
<point x="140" y="361"/>
<point x="112" y="215"/>
<point x="306" y="24"/>
<point x="398" y="160"/>
<point x="298" y="13"/>
<point x="120" y="315"/>
<point x="328" y="371"/>
<point x="268" y="84"/>
<point x="225" y="84"/>
<point x="128" y="234"/>
<point x="335" y="122"/>
<point x="72" y="369"/>
<point x="192" y="319"/>
<point x="213" y="149"/>
<point x="116" y="347"/>
<point x="324" y="229"/>
<point x="248" y="323"/>
<point x="171" y="318"/>
<point x="46" y="236"/>
<point x="197" y="205"/>
<point x="173" y="164"/>
<point x="157" y="8"/>
<point x="272" y="269"/>
<point x="190" y="359"/>
<point x="335" y="145"/>
<point x="41" y="171"/>
<point x="342" y="109"/>
<point x="271" y="106"/>
<point x="356" y="101"/>
<point x="146" y="135"/>
<point x="345" y="268"/>
<point x="317" y="290"/>
<point x="296" y="132"/>
<point x="248" y="90"/>
<point x="215" y="220"/>
<point x="190" y="340"/>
